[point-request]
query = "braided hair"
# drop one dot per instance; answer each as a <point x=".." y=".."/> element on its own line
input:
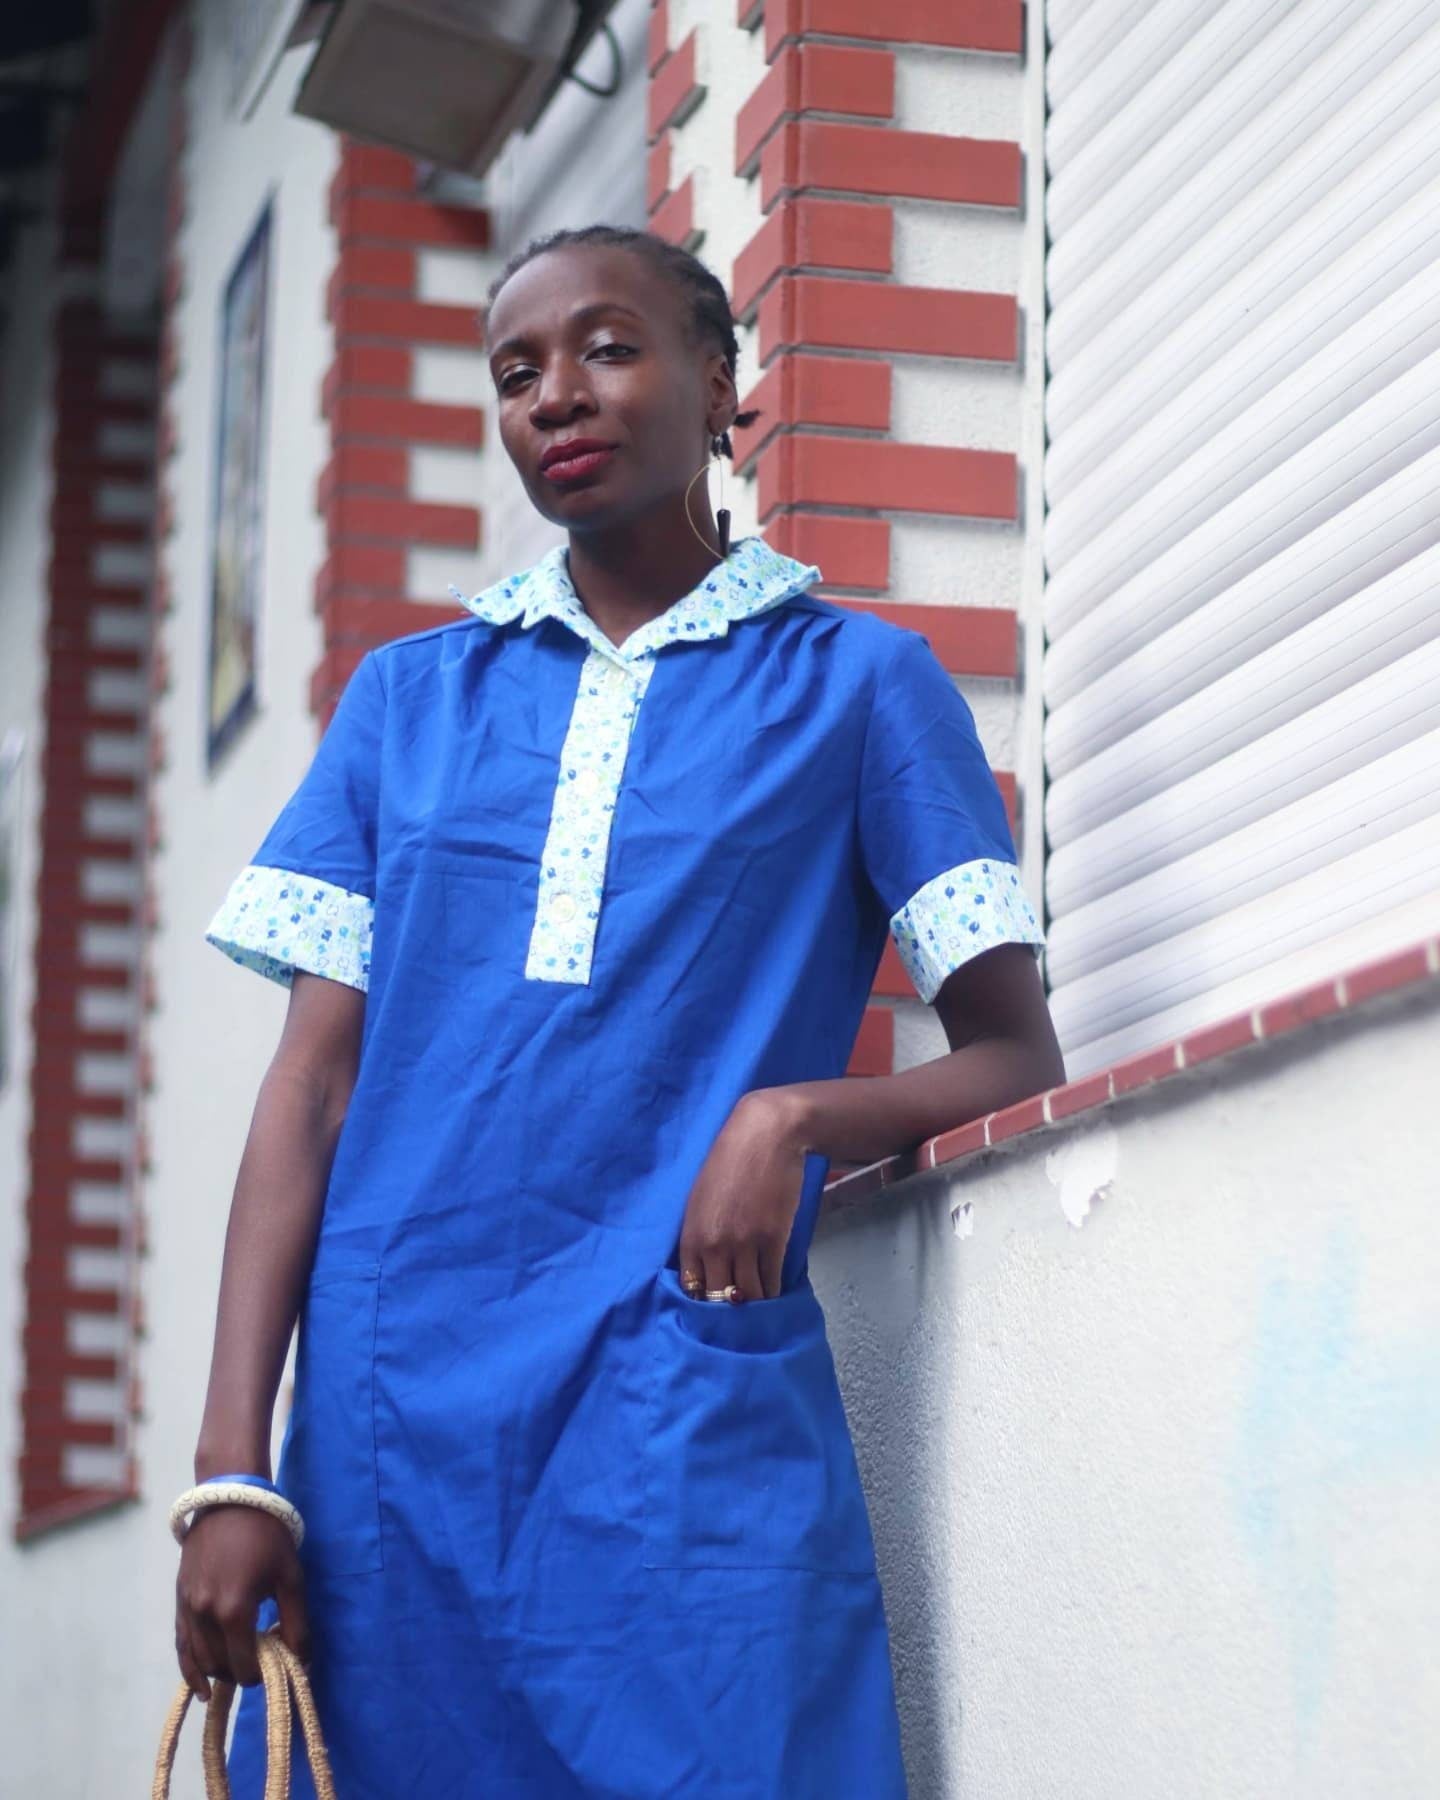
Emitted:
<point x="710" y="316"/>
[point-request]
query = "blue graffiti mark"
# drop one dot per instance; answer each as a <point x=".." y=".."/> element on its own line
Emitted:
<point x="1327" y="1405"/>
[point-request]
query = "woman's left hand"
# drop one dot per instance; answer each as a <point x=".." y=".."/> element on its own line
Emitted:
<point x="738" y="1218"/>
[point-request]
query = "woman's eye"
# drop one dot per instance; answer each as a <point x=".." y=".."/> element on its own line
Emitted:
<point x="512" y="379"/>
<point x="620" y="349"/>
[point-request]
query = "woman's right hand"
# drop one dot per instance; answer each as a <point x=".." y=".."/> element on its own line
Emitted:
<point x="232" y="1559"/>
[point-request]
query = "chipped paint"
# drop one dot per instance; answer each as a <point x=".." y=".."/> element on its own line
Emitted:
<point x="962" y="1218"/>
<point x="1083" y="1169"/>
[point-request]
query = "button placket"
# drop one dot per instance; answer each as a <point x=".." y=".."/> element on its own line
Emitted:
<point x="572" y="868"/>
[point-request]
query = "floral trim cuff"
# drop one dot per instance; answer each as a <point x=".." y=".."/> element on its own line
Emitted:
<point x="275" y="921"/>
<point x="969" y="908"/>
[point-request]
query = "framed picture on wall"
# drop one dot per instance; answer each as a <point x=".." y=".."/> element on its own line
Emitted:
<point x="238" y="526"/>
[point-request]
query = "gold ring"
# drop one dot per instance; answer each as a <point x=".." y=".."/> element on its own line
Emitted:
<point x="731" y="1293"/>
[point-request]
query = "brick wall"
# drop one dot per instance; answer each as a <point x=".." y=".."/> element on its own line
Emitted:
<point x="832" y="171"/>
<point x="84" y="1225"/>
<point x="370" y="493"/>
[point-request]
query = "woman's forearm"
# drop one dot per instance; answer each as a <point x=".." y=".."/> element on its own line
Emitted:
<point x="864" y="1118"/>
<point x="269" y="1247"/>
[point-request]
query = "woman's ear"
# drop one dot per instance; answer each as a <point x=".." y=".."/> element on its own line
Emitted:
<point x="724" y="400"/>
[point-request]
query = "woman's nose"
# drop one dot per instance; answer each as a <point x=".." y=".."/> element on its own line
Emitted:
<point x="561" y="393"/>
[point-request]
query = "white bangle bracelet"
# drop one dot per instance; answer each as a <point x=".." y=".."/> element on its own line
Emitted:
<point x="206" y="1494"/>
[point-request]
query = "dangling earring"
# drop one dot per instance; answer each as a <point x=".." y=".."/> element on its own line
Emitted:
<point x="722" y="517"/>
<point x="718" y="446"/>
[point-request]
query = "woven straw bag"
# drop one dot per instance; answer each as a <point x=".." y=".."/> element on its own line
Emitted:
<point x="284" y="1676"/>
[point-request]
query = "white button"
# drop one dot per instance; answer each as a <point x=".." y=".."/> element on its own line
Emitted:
<point x="587" y="781"/>
<point x="562" y="907"/>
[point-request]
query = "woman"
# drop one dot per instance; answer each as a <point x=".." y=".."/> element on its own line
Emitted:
<point x="579" y="903"/>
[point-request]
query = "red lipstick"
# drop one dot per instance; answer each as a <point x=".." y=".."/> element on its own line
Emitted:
<point x="574" y="459"/>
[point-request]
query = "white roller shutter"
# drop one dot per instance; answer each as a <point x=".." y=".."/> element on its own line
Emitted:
<point x="1242" y="543"/>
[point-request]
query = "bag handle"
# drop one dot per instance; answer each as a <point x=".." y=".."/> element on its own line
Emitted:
<point x="284" y="1676"/>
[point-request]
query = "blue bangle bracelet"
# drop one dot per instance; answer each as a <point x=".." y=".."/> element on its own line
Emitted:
<point x="247" y="1480"/>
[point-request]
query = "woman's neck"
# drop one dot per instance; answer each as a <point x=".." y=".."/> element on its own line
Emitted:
<point x="630" y="574"/>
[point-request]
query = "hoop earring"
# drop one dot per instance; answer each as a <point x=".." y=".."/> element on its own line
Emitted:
<point x="722" y="515"/>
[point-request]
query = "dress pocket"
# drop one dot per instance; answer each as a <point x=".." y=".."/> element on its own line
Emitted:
<point x="328" y="1465"/>
<point x="748" y="1458"/>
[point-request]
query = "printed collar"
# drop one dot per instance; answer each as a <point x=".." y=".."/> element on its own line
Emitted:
<point x="752" y="579"/>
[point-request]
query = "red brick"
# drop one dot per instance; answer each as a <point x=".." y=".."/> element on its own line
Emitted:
<point x="856" y="1182"/>
<point x="674" y="218"/>
<point x="366" y="468"/>
<point x="852" y="553"/>
<point x="44" y="1507"/>
<point x="373" y="166"/>
<point x="405" y="421"/>
<point x="891" y="978"/>
<point x="1294" y="1010"/>
<point x="950" y="1146"/>
<point x="78" y="472"/>
<point x="1081" y="1095"/>
<point x="674" y="92"/>
<point x="374" y="568"/>
<point x="912" y="165"/>
<point x="807" y="470"/>
<point x="78" y="524"/>
<point x="367" y="516"/>
<point x="332" y="672"/>
<point x="657" y="173"/>
<point x="45" y="1424"/>
<point x="1384" y="976"/>
<point x="874" y="1050"/>
<point x="824" y="78"/>
<point x="1025" y="1115"/>
<point x="814" y="390"/>
<point x="70" y="1365"/>
<point x="49" y="1226"/>
<point x="967" y="640"/>
<point x="1010" y="794"/>
<point x="371" y="268"/>
<point x="861" y="315"/>
<point x="381" y="220"/>
<point x="83" y="405"/>
<point x="1217" y="1040"/>
<point x="657" y="36"/>
<point x="383" y="367"/>
<point x="996" y="25"/>
<point x="812" y="234"/>
<point x="378" y="621"/>
<point x="406" y="321"/>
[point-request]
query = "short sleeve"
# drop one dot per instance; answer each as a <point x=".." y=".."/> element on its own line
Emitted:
<point x="934" y="834"/>
<point x="306" y="900"/>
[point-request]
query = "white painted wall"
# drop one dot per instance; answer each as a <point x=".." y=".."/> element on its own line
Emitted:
<point x="1155" y="1495"/>
<point x="80" y="1710"/>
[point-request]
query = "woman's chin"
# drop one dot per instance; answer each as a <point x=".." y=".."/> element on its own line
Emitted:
<point x="585" y="503"/>
<point x="591" y="508"/>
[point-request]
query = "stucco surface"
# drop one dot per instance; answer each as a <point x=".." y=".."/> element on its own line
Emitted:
<point x="1155" y="1493"/>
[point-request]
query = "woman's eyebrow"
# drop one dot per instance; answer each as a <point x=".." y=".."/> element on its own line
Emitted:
<point x="582" y="315"/>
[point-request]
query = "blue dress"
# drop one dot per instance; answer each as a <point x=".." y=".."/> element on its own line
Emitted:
<point x="572" y="1533"/>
